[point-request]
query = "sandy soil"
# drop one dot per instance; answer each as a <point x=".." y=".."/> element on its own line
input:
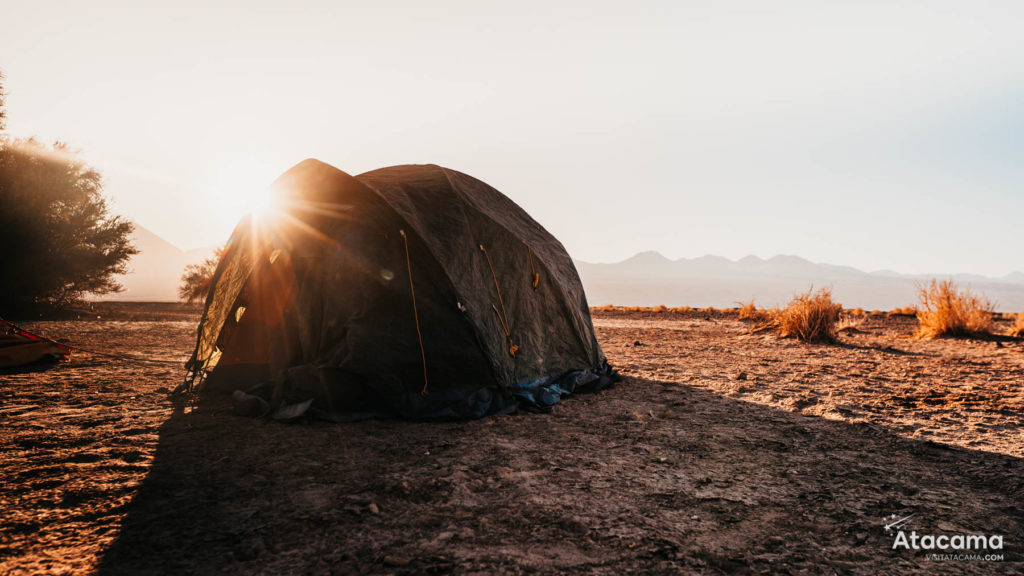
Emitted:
<point x="720" y="453"/>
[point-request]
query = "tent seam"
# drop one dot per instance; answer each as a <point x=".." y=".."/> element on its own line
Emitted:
<point x="564" y="296"/>
<point x="451" y="283"/>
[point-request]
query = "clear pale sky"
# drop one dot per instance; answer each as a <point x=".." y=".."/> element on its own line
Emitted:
<point x="873" y="134"/>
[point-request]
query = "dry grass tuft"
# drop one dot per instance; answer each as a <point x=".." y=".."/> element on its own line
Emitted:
<point x="905" y="311"/>
<point x="1018" y="326"/>
<point x="659" y="309"/>
<point x="749" y="311"/>
<point x="946" y="312"/>
<point x="811" y="317"/>
<point x="850" y="322"/>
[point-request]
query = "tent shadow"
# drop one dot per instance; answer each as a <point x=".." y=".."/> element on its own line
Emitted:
<point x="31" y="368"/>
<point x="649" y="475"/>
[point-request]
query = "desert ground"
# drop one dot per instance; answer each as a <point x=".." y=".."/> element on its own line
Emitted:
<point x="720" y="452"/>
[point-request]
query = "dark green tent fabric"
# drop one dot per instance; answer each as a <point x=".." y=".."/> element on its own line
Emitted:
<point x="315" y="302"/>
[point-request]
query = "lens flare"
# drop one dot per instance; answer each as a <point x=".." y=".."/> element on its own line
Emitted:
<point x="241" y="186"/>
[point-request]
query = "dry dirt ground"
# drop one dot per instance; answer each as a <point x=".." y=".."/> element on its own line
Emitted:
<point x="719" y="453"/>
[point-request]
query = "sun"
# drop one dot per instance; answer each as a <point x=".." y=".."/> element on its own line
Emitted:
<point x="240" y="186"/>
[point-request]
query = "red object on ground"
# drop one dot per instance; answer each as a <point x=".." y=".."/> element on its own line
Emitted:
<point x="19" y="347"/>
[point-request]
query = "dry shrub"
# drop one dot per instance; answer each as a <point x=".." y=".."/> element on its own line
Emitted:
<point x="1018" y="326"/>
<point x="656" y="309"/>
<point x="857" y="312"/>
<point x="946" y="312"/>
<point x="811" y="316"/>
<point x="749" y="311"/>
<point x="905" y="311"/>
<point x="850" y="322"/>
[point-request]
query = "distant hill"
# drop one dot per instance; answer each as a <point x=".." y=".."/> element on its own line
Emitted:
<point x="154" y="273"/>
<point x="646" y="279"/>
<point x="649" y="279"/>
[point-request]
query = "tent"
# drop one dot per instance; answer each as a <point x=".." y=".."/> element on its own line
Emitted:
<point x="19" y="347"/>
<point x="410" y="290"/>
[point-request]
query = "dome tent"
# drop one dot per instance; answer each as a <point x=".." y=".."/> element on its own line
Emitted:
<point x="411" y="290"/>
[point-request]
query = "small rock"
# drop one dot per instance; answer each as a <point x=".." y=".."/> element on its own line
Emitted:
<point x="638" y="343"/>
<point x="741" y="376"/>
<point x="373" y="508"/>
<point x="395" y="561"/>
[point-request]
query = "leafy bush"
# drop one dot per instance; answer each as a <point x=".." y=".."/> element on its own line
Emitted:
<point x="58" y="241"/>
<point x="196" y="278"/>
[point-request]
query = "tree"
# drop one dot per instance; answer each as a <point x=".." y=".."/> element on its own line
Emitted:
<point x="3" y="117"/>
<point x="58" y="241"/>
<point x="196" y="279"/>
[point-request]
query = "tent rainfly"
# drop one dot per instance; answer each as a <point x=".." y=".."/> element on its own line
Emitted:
<point x="415" y="291"/>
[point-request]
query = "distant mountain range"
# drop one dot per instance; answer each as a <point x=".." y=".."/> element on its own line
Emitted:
<point x="155" y="272"/>
<point x="649" y="279"/>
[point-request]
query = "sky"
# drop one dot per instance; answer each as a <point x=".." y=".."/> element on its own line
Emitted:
<point x="881" y="135"/>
